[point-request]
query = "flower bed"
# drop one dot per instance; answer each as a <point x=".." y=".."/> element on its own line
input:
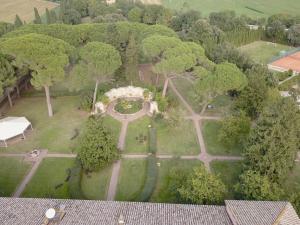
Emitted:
<point x="129" y="106"/>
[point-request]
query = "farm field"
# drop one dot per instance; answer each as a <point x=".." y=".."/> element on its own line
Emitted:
<point x="262" y="51"/>
<point x="254" y="8"/>
<point x="24" y="8"/>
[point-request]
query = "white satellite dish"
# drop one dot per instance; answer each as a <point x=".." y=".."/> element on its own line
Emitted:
<point x="50" y="214"/>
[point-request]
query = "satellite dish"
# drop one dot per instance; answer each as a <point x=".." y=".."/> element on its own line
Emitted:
<point x="50" y="214"/>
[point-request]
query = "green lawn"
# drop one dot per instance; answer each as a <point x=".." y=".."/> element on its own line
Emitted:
<point x="54" y="134"/>
<point x="161" y="192"/>
<point x="137" y="136"/>
<point x="113" y="125"/>
<point x="181" y="140"/>
<point x="254" y="8"/>
<point x="292" y="184"/>
<point x="131" y="179"/>
<point x="12" y="171"/>
<point x="210" y="131"/>
<point x="50" y="179"/>
<point x="262" y="51"/>
<point x="229" y="172"/>
<point x="221" y="106"/>
<point x="95" y="185"/>
<point x="186" y="89"/>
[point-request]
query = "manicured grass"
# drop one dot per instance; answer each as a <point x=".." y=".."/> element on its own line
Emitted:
<point x="131" y="179"/>
<point x="137" y="136"/>
<point x="50" y="180"/>
<point x="221" y="106"/>
<point x="161" y="192"/>
<point x="113" y="125"/>
<point x="95" y="185"/>
<point x="57" y="134"/>
<point x="229" y="172"/>
<point x="12" y="171"/>
<point x="254" y="8"/>
<point x="292" y="184"/>
<point x="186" y="89"/>
<point x="262" y="51"/>
<point x="181" y="140"/>
<point x="210" y="131"/>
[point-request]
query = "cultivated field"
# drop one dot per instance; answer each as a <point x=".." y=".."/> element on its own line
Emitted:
<point x="255" y="8"/>
<point x="24" y="8"/>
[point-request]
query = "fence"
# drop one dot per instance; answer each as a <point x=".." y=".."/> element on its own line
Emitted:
<point x="284" y="54"/>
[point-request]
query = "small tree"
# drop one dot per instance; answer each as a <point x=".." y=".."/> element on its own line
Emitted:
<point x="53" y="16"/>
<point x="96" y="147"/>
<point x="37" y="18"/>
<point x="202" y="187"/>
<point x="98" y="62"/>
<point x="135" y="15"/>
<point x="18" y="21"/>
<point x="48" y="17"/>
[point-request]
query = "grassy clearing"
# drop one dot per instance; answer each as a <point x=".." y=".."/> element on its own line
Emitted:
<point x="229" y="172"/>
<point x="50" y="181"/>
<point x="113" y="125"/>
<point x="131" y="179"/>
<point x="262" y="51"/>
<point x="24" y="8"/>
<point x="161" y="193"/>
<point x="12" y="171"/>
<point x="210" y="131"/>
<point x="254" y="8"/>
<point x="137" y="136"/>
<point x="181" y="140"/>
<point x="186" y="89"/>
<point x="95" y="185"/>
<point x="292" y="184"/>
<point x="221" y="106"/>
<point x="57" y="134"/>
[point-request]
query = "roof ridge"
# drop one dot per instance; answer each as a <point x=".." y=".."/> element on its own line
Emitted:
<point x="279" y="217"/>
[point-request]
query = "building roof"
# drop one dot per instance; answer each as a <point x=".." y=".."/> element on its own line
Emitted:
<point x="21" y="211"/>
<point x="12" y="126"/>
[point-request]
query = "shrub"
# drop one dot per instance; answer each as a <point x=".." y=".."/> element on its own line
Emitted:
<point x="86" y="101"/>
<point x="150" y="182"/>
<point x="152" y="140"/>
<point x="75" y="181"/>
<point x="104" y="99"/>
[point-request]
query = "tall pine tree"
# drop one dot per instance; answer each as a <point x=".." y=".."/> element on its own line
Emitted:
<point x="18" y="21"/>
<point x="48" y="17"/>
<point x="131" y="60"/>
<point x="37" y="17"/>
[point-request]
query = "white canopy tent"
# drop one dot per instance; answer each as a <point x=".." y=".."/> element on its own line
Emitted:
<point x="13" y="126"/>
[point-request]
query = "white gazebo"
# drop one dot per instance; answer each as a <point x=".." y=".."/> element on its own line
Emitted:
<point x="13" y="126"/>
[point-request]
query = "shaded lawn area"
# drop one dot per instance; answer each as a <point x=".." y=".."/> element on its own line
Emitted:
<point x="263" y="51"/>
<point x="292" y="183"/>
<point x="12" y="171"/>
<point x="181" y="140"/>
<point x="229" y="172"/>
<point x="161" y="193"/>
<point x="95" y="185"/>
<point x="176" y="102"/>
<point x="186" y="89"/>
<point x="131" y="179"/>
<point x="210" y="130"/>
<point x="221" y="106"/>
<point x="50" y="180"/>
<point x="57" y="134"/>
<point x="137" y="136"/>
<point x="113" y="125"/>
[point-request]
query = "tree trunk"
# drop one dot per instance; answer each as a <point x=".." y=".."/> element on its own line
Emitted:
<point x="165" y="87"/>
<point x="18" y="90"/>
<point x="47" y="91"/>
<point x="9" y="98"/>
<point x="157" y="79"/>
<point x="95" y="94"/>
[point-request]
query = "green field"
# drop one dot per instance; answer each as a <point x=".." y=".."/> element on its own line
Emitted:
<point x="131" y="179"/>
<point x="95" y="185"/>
<point x="57" y="134"/>
<point x="12" y="171"/>
<point x="50" y="180"/>
<point x="262" y="51"/>
<point x="229" y="172"/>
<point x="254" y="8"/>
<point x="210" y="131"/>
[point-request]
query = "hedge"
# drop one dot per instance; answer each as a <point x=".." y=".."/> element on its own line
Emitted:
<point x="152" y="140"/>
<point x="75" y="181"/>
<point x="151" y="179"/>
